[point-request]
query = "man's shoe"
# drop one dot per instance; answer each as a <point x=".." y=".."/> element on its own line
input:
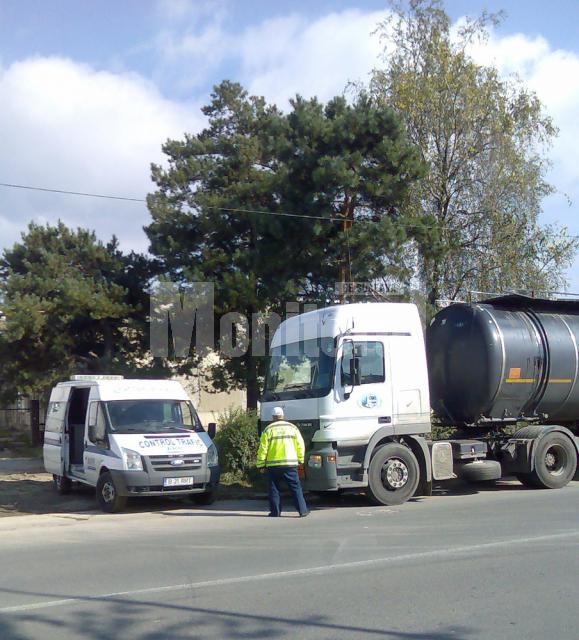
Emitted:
<point x="274" y="515"/>
<point x="303" y="515"/>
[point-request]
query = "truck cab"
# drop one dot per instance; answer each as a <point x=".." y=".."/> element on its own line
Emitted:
<point x="354" y="378"/>
<point x="128" y="438"/>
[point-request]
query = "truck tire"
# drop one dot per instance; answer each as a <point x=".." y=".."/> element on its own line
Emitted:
<point x="204" y="499"/>
<point x="393" y="474"/>
<point x="479" y="471"/>
<point x="555" y="460"/>
<point x="62" y="484"/>
<point x="107" y="495"/>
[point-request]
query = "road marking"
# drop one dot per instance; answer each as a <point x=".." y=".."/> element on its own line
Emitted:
<point x="308" y="571"/>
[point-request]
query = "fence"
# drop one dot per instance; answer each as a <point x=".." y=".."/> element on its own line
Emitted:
<point x="21" y="422"/>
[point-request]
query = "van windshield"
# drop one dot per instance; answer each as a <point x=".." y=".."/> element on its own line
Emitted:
<point x="302" y="369"/>
<point x="152" y="416"/>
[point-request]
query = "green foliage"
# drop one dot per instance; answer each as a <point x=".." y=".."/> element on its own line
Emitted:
<point x="72" y="305"/>
<point x="344" y="163"/>
<point x="484" y="140"/>
<point x="237" y="441"/>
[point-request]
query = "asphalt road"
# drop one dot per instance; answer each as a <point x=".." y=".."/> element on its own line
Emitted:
<point x="498" y="564"/>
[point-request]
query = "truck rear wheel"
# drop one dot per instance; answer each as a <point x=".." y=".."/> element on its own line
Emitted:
<point x="107" y="495"/>
<point x="393" y="474"/>
<point x="555" y="462"/>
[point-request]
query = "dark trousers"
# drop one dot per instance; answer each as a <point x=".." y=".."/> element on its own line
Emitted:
<point x="289" y="475"/>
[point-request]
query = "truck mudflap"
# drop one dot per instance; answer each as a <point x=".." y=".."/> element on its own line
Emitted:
<point x="320" y="468"/>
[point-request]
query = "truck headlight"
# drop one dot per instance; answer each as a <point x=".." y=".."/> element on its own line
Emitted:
<point x="212" y="456"/>
<point x="133" y="460"/>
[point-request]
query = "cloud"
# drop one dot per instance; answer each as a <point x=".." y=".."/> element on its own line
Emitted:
<point x="285" y="56"/>
<point x="67" y="126"/>
<point x="277" y="57"/>
<point x="553" y="74"/>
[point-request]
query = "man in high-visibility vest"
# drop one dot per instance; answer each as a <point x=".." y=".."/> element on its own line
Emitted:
<point x="281" y="450"/>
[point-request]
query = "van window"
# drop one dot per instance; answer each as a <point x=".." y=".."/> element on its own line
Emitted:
<point x="151" y="416"/>
<point x="96" y="419"/>
<point x="371" y="357"/>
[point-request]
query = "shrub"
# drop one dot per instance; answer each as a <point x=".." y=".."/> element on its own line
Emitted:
<point x="237" y="440"/>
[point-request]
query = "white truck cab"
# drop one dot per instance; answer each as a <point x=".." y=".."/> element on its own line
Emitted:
<point x="128" y="438"/>
<point x="354" y="378"/>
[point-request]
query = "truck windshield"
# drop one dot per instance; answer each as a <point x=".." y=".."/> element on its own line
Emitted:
<point x="155" y="416"/>
<point x="300" y="370"/>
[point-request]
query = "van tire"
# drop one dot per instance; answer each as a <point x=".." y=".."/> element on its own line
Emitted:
<point x="62" y="484"/>
<point x="107" y="495"/>
<point x="204" y="499"/>
<point x="393" y="475"/>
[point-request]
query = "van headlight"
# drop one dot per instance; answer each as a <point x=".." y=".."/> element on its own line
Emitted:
<point x="133" y="460"/>
<point x="212" y="456"/>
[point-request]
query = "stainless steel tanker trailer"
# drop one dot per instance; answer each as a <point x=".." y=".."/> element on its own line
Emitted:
<point x="365" y="387"/>
<point x="507" y="361"/>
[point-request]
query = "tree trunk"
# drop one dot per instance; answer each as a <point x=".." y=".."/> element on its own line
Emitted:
<point x="251" y="382"/>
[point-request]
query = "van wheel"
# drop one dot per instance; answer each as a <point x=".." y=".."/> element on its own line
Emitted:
<point x="107" y="495"/>
<point x="393" y="475"/>
<point x="204" y="499"/>
<point x="62" y="484"/>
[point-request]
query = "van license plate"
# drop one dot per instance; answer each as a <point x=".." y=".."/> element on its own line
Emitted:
<point x="177" y="482"/>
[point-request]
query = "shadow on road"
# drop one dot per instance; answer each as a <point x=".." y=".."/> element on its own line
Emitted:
<point x="35" y="495"/>
<point x="117" y="617"/>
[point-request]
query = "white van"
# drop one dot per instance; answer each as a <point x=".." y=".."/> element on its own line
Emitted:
<point x="128" y="438"/>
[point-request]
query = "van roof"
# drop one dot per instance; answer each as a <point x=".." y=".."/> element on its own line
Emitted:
<point x="130" y="389"/>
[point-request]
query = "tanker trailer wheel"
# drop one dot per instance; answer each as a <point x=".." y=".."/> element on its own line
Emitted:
<point x="555" y="462"/>
<point x="393" y="475"/>
<point x="480" y="471"/>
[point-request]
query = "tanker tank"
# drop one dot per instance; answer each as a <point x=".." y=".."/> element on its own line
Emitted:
<point x="505" y="359"/>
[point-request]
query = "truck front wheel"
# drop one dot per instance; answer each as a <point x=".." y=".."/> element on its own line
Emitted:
<point x="393" y="474"/>
<point x="555" y="462"/>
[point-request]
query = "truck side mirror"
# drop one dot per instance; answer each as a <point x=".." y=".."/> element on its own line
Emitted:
<point x="212" y="430"/>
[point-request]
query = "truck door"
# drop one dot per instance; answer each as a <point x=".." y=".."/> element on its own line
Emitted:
<point x="365" y="393"/>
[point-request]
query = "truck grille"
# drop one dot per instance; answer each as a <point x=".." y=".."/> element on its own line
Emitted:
<point x="186" y="462"/>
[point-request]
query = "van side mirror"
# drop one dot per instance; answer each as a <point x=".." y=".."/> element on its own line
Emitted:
<point x="211" y="430"/>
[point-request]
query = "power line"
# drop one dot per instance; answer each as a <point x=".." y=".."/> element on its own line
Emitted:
<point x="70" y="193"/>
<point x="216" y="208"/>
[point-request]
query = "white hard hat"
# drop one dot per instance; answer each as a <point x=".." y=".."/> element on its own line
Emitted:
<point x="277" y="412"/>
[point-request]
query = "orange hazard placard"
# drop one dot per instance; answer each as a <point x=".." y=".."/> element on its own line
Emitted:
<point x="514" y="373"/>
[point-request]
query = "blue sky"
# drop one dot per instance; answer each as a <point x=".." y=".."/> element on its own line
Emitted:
<point x="90" y="90"/>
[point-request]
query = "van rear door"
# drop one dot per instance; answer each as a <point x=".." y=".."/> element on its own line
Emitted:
<point x="54" y="432"/>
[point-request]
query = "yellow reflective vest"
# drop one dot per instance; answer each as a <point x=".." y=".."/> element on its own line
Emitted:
<point x="281" y="445"/>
